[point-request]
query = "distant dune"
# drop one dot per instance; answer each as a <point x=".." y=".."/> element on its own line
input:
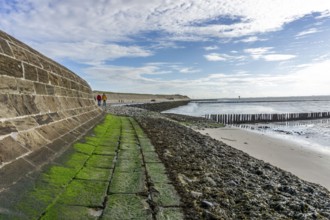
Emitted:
<point x="139" y="98"/>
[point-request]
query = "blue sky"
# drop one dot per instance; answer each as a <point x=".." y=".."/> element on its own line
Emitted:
<point x="200" y="48"/>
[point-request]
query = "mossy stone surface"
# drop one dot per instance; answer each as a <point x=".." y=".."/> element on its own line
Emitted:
<point x="166" y="195"/>
<point x="133" y="182"/>
<point x="101" y="161"/>
<point x="131" y="154"/>
<point x="59" y="211"/>
<point x="84" y="148"/>
<point x="127" y="206"/>
<point x="170" y="214"/>
<point x="101" y="150"/>
<point x="84" y="193"/>
<point x="92" y="173"/>
<point x="107" y="165"/>
<point x="124" y="165"/>
<point x="151" y="157"/>
<point x="154" y="168"/>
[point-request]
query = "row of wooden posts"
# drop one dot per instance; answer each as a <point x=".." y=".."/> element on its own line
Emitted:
<point x="254" y="118"/>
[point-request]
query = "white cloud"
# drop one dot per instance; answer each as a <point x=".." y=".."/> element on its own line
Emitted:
<point x="266" y="54"/>
<point x="211" y="48"/>
<point x="189" y="70"/>
<point x="91" y="52"/>
<point x="121" y="20"/>
<point x="251" y="39"/>
<point x="307" y="32"/>
<point x="215" y="57"/>
<point x="278" y="57"/>
<point x="258" y="53"/>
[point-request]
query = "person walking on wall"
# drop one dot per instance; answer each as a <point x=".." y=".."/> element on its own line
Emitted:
<point x="104" y="99"/>
<point x="98" y="98"/>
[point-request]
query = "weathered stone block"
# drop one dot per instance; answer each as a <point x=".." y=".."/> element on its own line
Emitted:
<point x="40" y="156"/>
<point x="16" y="101"/>
<point x="29" y="103"/>
<point x="50" y="90"/>
<point x="19" y="52"/>
<point x="7" y="84"/>
<point x="31" y="140"/>
<point x="44" y="64"/>
<point x="25" y="123"/>
<point x="25" y="86"/>
<point x="53" y="79"/>
<point x="48" y="133"/>
<point x="13" y="172"/>
<point x="66" y="83"/>
<point x="57" y="145"/>
<point x="33" y="58"/>
<point x="69" y="138"/>
<point x="43" y="119"/>
<point x="43" y="76"/>
<point x="9" y="150"/>
<point x="30" y="72"/>
<point x="5" y="47"/>
<point x="41" y="102"/>
<point x="55" y="116"/>
<point x="40" y="88"/>
<point x="10" y="67"/>
<point x="6" y="110"/>
<point x="6" y="128"/>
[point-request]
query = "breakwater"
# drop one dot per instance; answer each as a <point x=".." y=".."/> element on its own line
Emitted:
<point x="254" y="118"/>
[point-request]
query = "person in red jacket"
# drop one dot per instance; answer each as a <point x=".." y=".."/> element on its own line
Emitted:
<point x="99" y="99"/>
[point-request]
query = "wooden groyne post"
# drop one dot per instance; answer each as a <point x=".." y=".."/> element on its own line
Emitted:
<point x="254" y="118"/>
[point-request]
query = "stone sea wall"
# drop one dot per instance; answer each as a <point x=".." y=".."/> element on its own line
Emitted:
<point x="44" y="108"/>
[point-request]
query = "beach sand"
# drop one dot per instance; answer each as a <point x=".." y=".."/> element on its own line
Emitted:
<point x="310" y="165"/>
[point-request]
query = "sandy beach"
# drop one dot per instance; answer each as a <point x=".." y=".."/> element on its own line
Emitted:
<point x="313" y="166"/>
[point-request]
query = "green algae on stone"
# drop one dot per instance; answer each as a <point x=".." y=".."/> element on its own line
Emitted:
<point x="101" y="161"/>
<point x="127" y="206"/>
<point x="129" y="146"/>
<point x="151" y="156"/>
<point x="155" y="168"/>
<point x="169" y="214"/>
<point x="84" y="193"/>
<point x="130" y="154"/>
<point x="84" y="148"/>
<point x="59" y="176"/>
<point x="124" y="165"/>
<point x="133" y="182"/>
<point x="59" y="211"/>
<point x="146" y="146"/>
<point x="101" y="150"/>
<point x="165" y="195"/>
<point x="92" y="173"/>
<point x="76" y="161"/>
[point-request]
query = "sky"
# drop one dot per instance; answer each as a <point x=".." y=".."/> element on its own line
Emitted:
<point x="199" y="48"/>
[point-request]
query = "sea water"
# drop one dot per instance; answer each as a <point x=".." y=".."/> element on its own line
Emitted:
<point x="313" y="134"/>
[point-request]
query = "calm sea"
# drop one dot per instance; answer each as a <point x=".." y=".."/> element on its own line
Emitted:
<point x="312" y="133"/>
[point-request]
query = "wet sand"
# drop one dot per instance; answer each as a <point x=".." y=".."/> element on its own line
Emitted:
<point x="310" y="165"/>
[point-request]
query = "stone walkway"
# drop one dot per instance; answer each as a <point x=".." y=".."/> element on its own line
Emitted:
<point x="114" y="173"/>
